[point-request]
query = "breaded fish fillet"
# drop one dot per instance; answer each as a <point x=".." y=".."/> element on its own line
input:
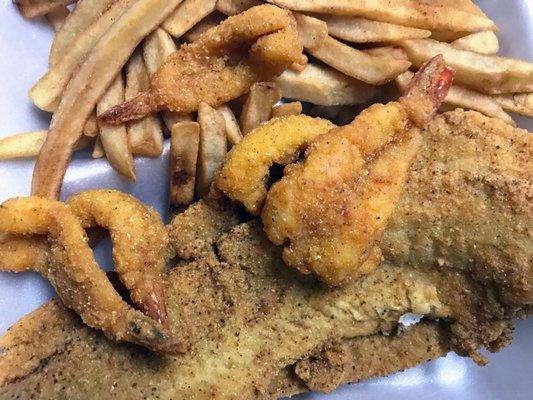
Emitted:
<point x="253" y="322"/>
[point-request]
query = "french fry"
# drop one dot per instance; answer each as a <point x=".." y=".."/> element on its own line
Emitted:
<point x="233" y="131"/>
<point x="84" y="15"/>
<point x="56" y="18"/>
<point x="188" y="14"/>
<point x="28" y="144"/>
<point x="207" y="23"/>
<point x="287" y="109"/>
<point x="388" y="51"/>
<point x="322" y="85"/>
<point x="411" y="13"/>
<point x="98" y="149"/>
<point x="91" y="128"/>
<point x="36" y="8"/>
<point x="485" y="42"/>
<point x="212" y="149"/>
<point x="258" y="106"/>
<point x="312" y="31"/>
<point x="459" y="96"/>
<point x="232" y="7"/>
<point x="484" y="73"/>
<point x="46" y="94"/>
<point x="362" y="30"/>
<point x="521" y="103"/>
<point x="157" y="47"/>
<point x="87" y="85"/>
<point x="114" y="138"/>
<point x="184" y="143"/>
<point x="145" y="135"/>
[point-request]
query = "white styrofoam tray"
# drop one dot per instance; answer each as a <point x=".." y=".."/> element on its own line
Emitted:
<point x="24" y="50"/>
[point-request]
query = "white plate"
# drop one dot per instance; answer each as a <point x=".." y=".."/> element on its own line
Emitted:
<point x="23" y="58"/>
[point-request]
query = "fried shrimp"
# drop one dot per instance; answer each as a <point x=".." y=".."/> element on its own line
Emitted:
<point x="331" y="209"/>
<point x="222" y="64"/>
<point x="244" y="175"/>
<point x="72" y="270"/>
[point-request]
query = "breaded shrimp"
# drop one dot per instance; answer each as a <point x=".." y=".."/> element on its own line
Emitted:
<point x="331" y="209"/>
<point x="222" y="64"/>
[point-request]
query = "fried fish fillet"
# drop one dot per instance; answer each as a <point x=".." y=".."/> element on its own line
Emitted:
<point x="254" y="323"/>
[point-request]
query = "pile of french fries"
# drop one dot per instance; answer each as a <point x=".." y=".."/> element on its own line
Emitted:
<point x="357" y="49"/>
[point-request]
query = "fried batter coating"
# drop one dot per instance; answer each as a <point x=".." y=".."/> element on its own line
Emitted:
<point x="244" y="175"/>
<point x="221" y="65"/>
<point x="76" y="276"/>
<point x="333" y="207"/>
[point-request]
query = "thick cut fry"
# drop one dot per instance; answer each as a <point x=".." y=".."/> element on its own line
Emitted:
<point x="352" y="62"/>
<point x="188" y="14"/>
<point x="56" y="18"/>
<point x="84" y="15"/>
<point x="28" y="144"/>
<point x="518" y="103"/>
<point x="87" y="85"/>
<point x="46" y="94"/>
<point x="213" y="147"/>
<point x="487" y="74"/>
<point x="35" y="8"/>
<point x="98" y="149"/>
<point x="459" y="96"/>
<point x="156" y="49"/>
<point x="388" y="51"/>
<point x="90" y="128"/>
<point x="412" y="13"/>
<point x="145" y="136"/>
<point x="244" y="175"/>
<point x="114" y="138"/>
<point x="362" y="30"/>
<point x="184" y="143"/>
<point x="287" y="109"/>
<point x="313" y="32"/>
<point x="254" y="46"/>
<point x="232" y="7"/>
<point x="485" y="42"/>
<point x="233" y="131"/>
<point x="203" y="26"/>
<point x="258" y="106"/>
<point x="322" y="85"/>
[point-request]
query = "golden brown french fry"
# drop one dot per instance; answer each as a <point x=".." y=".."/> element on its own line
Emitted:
<point x="46" y="94"/>
<point x="28" y="144"/>
<point x="87" y="85"/>
<point x="459" y="96"/>
<point x="90" y="128"/>
<point x="35" y="8"/>
<point x="287" y="109"/>
<point x="145" y="135"/>
<point x="485" y="42"/>
<point x="312" y="31"/>
<point x="188" y="14"/>
<point x="84" y="15"/>
<point x="322" y="85"/>
<point x="232" y="7"/>
<point x="98" y="149"/>
<point x="114" y="138"/>
<point x="362" y="30"/>
<point x="258" y="106"/>
<point x="56" y="18"/>
<point x="207" y="23"/>
<point x="415" y="14"/>
<point x="212" y="149"/>
<point x="487" y="74"/>
<point x="233" y="131"/>
<point x="388" y="51"/>
<point x="184" y="144"/>
<point x="157" y="47"/>
<point x="521" y="103"/>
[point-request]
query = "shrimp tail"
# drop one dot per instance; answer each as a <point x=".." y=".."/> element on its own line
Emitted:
<point x="136" y="108"/>
<point x="427" y="90"/>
